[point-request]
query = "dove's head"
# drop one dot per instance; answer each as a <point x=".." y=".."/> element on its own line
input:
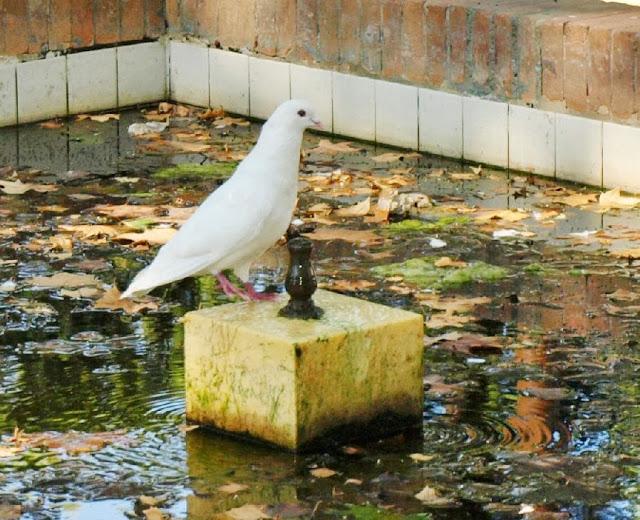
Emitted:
<point x="295" y="114"/>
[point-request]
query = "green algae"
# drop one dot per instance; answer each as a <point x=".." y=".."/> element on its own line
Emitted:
<point x="423" y="273"/>
<point x="421" y="226"/>
<point x="192" y="170"/>
<point x="370" y="512"/>
<point x="140" y="224"/>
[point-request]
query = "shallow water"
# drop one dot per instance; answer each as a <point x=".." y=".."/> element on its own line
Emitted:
<point x="550" y="419"/>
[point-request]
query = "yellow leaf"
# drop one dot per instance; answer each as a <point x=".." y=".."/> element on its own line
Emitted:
<point x="510" y="215"/>
<point x="360" y="236"/>
<point x="613" y="199"/>
<point x="393" y="157"/>
<point x="18" y="187"/>
<point x="65" y="280"/>
<point x="349" y="285"/>
<point x="61" y="242"/>
<point x="327" y="147"/>
<point x="357" y="210"/>
<point x="429" y="496"/>
<point x="155" y="236"/>
<point x="82" y="292"/>
<point x="446" y="261"/>
<point x="633" y="253"/>
<point x="578" y="199"/>
<point x="322" y="472"/>
<point x="419" y="457"/>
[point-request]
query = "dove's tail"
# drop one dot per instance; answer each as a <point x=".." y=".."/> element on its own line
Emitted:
<point x="167" y="270"/>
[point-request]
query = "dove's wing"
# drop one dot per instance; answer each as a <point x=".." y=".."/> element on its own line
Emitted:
<point x="220" y="231"/>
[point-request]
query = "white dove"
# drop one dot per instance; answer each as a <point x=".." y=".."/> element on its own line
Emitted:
<point x="243" y="218"/>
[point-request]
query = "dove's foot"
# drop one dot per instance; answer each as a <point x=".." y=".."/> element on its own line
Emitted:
<point x="229" y="289"/>
<point x="259" y="296"/>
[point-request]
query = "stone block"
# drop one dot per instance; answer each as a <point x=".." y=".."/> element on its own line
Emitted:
<point x="485" y="131"/>
<point x="579" y="149"/>
<point x="269" y="85"/>
<point x="297" y="383"/>
<point x="440" y="123"/>
<point x="189" y="73"/>
<point x="621" y="156"/>
<point x="532" y="140"/>
<point x="92" y="81"/>
<point x="354" y="112"/>
<point x="229" y="80"/>
<point x="42" y="89"/>
<point x="393" y="99"/>
<point x="141" y="73"/>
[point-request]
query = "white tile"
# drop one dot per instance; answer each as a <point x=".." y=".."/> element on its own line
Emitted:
<point x="314" y="85"/>
<point x="42" y="89"/>
<point x="485" y="131"/>
<point x="532" y="140"/>
<point x="92" y="81"/>
<point x="269" y="85"/>
<point x="354" y="108"/>
<point x="579" y="149"/>
<point x="396" y="114"/>
<point x="621" y="157"/>
<point x="141" y="73"/>
<point x="229" y="81"/>
<point x="8" y="109"/>
<point x="189" y="73"/>
<point x="440" y="122"/>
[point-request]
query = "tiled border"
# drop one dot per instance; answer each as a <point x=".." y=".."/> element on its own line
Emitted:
<point x="480" y="130"/>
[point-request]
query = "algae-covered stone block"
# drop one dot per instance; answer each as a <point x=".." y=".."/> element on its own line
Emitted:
<point x="294" y="382"/>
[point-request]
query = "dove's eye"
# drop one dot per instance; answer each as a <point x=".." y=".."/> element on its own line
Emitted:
<point x="302" y="113"/>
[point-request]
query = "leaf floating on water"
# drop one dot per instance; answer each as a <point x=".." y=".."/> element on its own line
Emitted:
<point x="52" y="124"/>
<point x="19" y="188"/>
<point x="429" y="496"/>
<point x="357" y="210"/>
<point x="631" y="254"/>
<point x="155" y="236"/>
<point x="615" y="200"/>
<point x="111" y="300"/>
<point x="246" y="512"/>
<point x="578" y="199"/>
<point x="446" y="261"/>
<point x="419" y="457"/>
<point x="71" y="442"/>
<point x="348" y="285"/>
<point x="348" y="235"/>
<point x="98" y="118"/>
<point x="82" y="292"/>
<point x="623" y="295"/>
<point x="549" y="394"/>
<point x="65" y="280"/>
<point x="232" y="488"/>
<point x="509" y="215"/>
<point x="322" y="472"/>
<point x="153" y="513"/>
<point x="224" y="122"/>
<point x="353" y="481"/>
<point x="473" y="345"/>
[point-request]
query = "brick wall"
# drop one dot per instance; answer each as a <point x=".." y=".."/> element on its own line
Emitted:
<point x="581" y="56"/>
<point x="38" y="26"/>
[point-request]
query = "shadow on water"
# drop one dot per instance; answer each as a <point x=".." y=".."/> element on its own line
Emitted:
<point x="548" y="419"/>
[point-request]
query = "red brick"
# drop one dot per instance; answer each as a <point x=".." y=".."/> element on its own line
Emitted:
<point x="552" y="54"/>
<point x="503" y="54"/>
<point x="575" y="67"/>
<point x="60" y="24"/>
<point x="599" y="75"/>
<point x="457" y="44"/>
<point x="82" y="28"/>
<point x="172" y="10"/>
<point x="624" y="49"/>
<point x="328" y="24"/>
<point x="371" y="35"/>
<point x="237" y="23"/>
<point x="131" y="20"/>
<point x="391" y="41"/>
<point x="208" y="19"/>
<point x="413" y="48"/>
<point x="2" y="29"/>
<point x="107" y="20"/>
<point x="481" y="44"/>
<point x="436" y="44"/>
<point x="154" y="18"/>
<point x="189" y="16"/>
<point x="349" y="34"/>
<point x="38" y="25"/>
<point x="307" y="13"/>
<point x="16" y="27"/>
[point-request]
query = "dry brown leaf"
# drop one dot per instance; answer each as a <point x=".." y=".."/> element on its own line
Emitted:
<point x="509" y="215"/>
<point x="464" y="176"/>
<point x="246" y="512"/>
<point x="320" y="209"/>
<point x="357" y="210"/>
<point x="322" y="472"/>
<point x="361" y="236"/>
<point x="211" y="113"/>
<point x="393" y="157"/>
<point x="614" y="199"/>
<point x="71" y="442"/>
<point x="61" y="243"/>
<point x="111" y="300"/>
<point x="18" y="187"/>
<point x="52" y="124"/>
<point x="91" y="230"/>
<point x="155" y="236"/>
<point x="327" y="147"/>
<point x="232" y="488"/>
<point x="82" y="292"/>
<point x="472" y="344"/>
<point x="578" y="199"/>
<point x="445" y="261"/>
<point x="126" y="210"/>
<point x="383" y="206"/>
<point x="623" y="295"/>
<point x="353" y="481"/>
<point x="99" y="118"/>
<point x="429" y="496"/>
<point x="65" y="280"/>
<point x="223" y="122"/>
<point x="419" y="457"/>
<point x="632" y="253"/>
<point x="348" y="285"/>
<point x="153" y="513"/>
<point x="53" y="208"/>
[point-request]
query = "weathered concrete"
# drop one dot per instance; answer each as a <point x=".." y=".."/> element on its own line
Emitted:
<point x="291" y="382"/>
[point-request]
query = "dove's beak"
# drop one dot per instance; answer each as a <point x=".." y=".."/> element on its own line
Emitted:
<point x="317" y="124"/>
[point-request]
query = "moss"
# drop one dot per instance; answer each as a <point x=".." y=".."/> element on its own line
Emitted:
<point x="191" y="170"/>
<point x="539" y="270"/>
<point x="421" y="226"/>
<point x="140" y="224"/>
<point x="370" y="512"/>
<point x="423" y="273"/>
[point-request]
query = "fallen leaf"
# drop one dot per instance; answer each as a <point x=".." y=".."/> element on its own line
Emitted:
<point x="429" y="496"/>
<point x="357" y="210"/>
<point x="549" y="394"/>
<point x="614" y="199"/>
<point x="464" y="176"/>
<point x="578" y="199"/>
<point x="509" y="215"/>
<point x="349" y="285"/>
<point x="153" y="513"/>
<point x="111" y="300"/>
<point x="71" y="442"/>
<point x="232" y="488"/>
<point x="155" y="236"/>
<point x="18" y="187"/>
<point x="98" y="118"/>
<point x="61" y="242"/>
<point x="52" y="124"/>
<point x="348" y="235"/>
<point x="353" y="481"/>
<point x="632" y="254"/>
<point x="419" y="457"/>
<point x="127" y="210"/>
<point x="54" y="208"/>
<point x="223" y="122"/>
<point x="82" y="292"/>
<point x="327" y="147"/>
<point x="246" y="512"/>
<point x="623" y="295"/>
<point x="322" y="472"/>
<point x="91" y="231"/>
<point x="211" y="113"/>
<point x="9" y="451"/>
<point x="383" y="205"/>
<point x="445" y="261"/>
<point x="470" y="344"/>
<point x="65" y="280"/>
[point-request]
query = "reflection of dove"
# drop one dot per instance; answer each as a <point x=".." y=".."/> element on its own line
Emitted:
<point x="243" y="218"/>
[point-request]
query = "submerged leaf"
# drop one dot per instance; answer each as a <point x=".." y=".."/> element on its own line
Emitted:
<point x="111" y="300"/>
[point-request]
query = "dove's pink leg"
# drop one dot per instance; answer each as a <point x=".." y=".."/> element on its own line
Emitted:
<point x="257" y="296"/>
<point x="229" y="289"/>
